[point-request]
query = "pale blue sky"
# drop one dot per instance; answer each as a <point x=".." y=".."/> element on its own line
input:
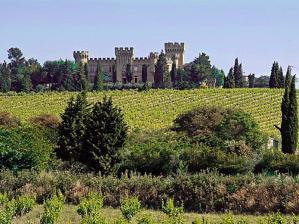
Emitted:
<point x="256" y="31"/>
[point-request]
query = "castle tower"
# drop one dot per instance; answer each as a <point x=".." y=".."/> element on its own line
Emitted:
<point x="175" y="51"/>
<point x="81" y="57"/>
<point x="153" y="58"/>
<point x="124" y="56"/>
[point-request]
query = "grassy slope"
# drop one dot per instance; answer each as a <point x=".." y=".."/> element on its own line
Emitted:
<point x="69" y="216"/>
<point x="157" y="108"/>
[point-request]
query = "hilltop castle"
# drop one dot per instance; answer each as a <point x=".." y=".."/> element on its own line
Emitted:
<point x="115" y="68"/>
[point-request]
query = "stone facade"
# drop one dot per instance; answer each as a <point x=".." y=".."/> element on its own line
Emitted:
<point x="116" y="67"/>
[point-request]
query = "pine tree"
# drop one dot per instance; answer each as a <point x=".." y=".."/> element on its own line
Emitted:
<point x="289" y="120"/>
<point x="72" y="128"/>
<point x="173" y="73"/>
<point x="238" y="74"/>
<point x="98" y="84"/>
<point x="229" y="80"/>
<point x="160" y="71"/>
<point x="105" y="134"/>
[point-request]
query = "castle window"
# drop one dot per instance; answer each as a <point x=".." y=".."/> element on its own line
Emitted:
<point x="110" y="69"/>
<point x="136" y="79"/>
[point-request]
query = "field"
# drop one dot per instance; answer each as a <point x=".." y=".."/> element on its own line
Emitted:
<point x="70" y="216"/>
<point x="156" y="109"/>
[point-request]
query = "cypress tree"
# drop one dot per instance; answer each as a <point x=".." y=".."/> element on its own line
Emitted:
<point x="82" y="83"/>
<point x="173" y="73"/>
<point x="251" y="80"/>
<point x="281" y="78"/>
<point x="5" y="78"/>
<point x="274" y="77"/>
<point x="161" y="70"/>
<point x="105" y="134"/>
<point x="72" y="128"/>
<point x="98" y="83"/>
<point x="114" y="78"/>
<point x="289" y="120"/>
<point x="229" y="80"/>
<point x="238" y="74"/>
<point x="25" y="84"/>
<point x="129" y="74"/>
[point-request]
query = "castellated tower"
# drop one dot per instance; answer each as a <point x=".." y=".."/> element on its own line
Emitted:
<point x="81" y="57"/>
<point x="175" y="52"/>
<point x="124" y="56"/>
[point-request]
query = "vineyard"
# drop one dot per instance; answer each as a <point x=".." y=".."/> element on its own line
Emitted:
<point x="156" y="109"/>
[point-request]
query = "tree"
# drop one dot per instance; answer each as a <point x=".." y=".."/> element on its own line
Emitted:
<point x="230" y="81"/>
<point x="173" y="73"/>
<point x="251" y="80"/>
<point x="200" y="68"/>
<point x="16" y="58"/>
<point x="105" y="134"/>
<point x="289" y="118"/>
<point x="161" y="70"/>
<point x="129" y="74"/>
<point x="114" y="75"/>
<point x="218" y="76"/>
<point x="238" y="74"/>
<point x="81" y="81"/>
<point x="98" y="84"/>
<point x="275" y="81"/>
<point x="144" y="73"/>
<point x="5" y="79"/>
<point x="72" y="128"/>
<point x="25" y="84"/>
<point x="281" y="78"/>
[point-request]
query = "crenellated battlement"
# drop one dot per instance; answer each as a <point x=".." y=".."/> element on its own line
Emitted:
<point x="154" y="55"/>
<point x="104" y="60"/>
<point x="174" y="47"/>
<point x="119" y="51"/>
<point x="81" y="56"/>
<point x="140" y="60"/>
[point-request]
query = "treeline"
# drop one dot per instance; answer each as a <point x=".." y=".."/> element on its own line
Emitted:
<point x="22" y="75"/>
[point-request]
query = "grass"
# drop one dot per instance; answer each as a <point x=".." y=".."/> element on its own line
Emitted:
<point x="156" y="109"/>
<point x="70" y="216"/>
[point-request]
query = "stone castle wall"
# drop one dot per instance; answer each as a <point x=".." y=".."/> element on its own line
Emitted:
<point x="124" y="56"/>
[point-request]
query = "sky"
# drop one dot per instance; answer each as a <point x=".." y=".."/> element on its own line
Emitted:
<point x="258" y="32"/>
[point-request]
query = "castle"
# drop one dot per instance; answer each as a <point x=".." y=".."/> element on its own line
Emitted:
<point x="115" y="68"/>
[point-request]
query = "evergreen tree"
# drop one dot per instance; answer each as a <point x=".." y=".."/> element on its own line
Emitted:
<point x="201" y="69"/>
<point x="289" y="120"/>
<point x="81" y="82"/>
<point x="25" y="84"/>
<point x="229" y="80"/>
<point x="274" y="77"/>
<point x="72" y="128"/>
<point x="144" y="73"/>
<point x="68" y="80"/>
<point x="161" y="70"/>
<point x="281" y="78"/>
<point x="251" y="80"/>
<point x="114" y="78"/>
<point x="105" y="134"/>
<point x="99" y="79"/>
<point x="129" y="74"/>
<point x="238" y="74"/>
<point x="5" y="79"/>
<point x="173" y="73"/>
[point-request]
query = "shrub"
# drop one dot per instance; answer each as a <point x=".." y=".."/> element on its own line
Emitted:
<point x="23" y="205"/>
<point x="175" y="214"/>
<point x="24" y="148"/>
<point x="145" y="220"/>
<point x="45" y="120"/>
<point x="8" y="121"/>
<point x="90" y="205"/>
<point x="52" y="209"/>
<point x="39" y="88"/>
<point x="3" y="198"/>
<point x="130" y="207"/>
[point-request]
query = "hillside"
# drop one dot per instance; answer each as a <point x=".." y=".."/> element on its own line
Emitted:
<point x="156" y="109"/>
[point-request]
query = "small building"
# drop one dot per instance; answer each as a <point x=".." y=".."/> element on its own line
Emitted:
<point x="273" y="143"/>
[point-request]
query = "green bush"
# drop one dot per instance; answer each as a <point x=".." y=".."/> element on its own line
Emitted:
<point x="173" y="213"/>
<point x="3" y="198"/>
<point x="129" y="207"/>
<point x="23" y="205"/>
<point x="52" y="209"/>
<point x="24" y="148"/>
<point x="90" y="205"/>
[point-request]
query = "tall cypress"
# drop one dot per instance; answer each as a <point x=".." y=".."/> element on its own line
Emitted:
<point x="238" y="74"/>
<point x="173" y="73"/>
<point x="161" y="71"/>
<point x="229" y="80"/>
<point x="289" y="117"/>
<point x="281" y="78"/>
<point x="98" y="83"/>
<point x="251" y="80"/>
<point x="144" y="73"/>
<point x="274" y="77"/>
